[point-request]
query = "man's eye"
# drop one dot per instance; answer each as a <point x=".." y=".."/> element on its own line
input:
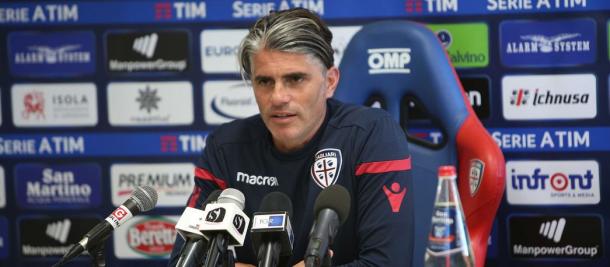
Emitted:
<point x="264" y="82"/>
<point x="296" y="79"/>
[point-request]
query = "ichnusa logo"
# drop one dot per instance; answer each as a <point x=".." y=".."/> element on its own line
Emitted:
<point x="466" y="43"/>
<point x="549" y="43"/>
<point x="534" y="97"/>
<point x="552" y="182"/>
<point x="38" y="54"/>
<point x="552" y="237"/>
<point x="389" y="60"/>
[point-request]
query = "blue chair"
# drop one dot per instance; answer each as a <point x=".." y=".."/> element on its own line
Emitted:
<point x="390" y="60"/>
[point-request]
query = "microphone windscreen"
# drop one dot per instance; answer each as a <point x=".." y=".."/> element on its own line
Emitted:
<point x="145" y="198"/>
<point x="276" y="201"/>
<point x="232" y="195"/>
<point x="334" y="197"/>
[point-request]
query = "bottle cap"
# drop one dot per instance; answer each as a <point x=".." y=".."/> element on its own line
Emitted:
<point x="446" y="170"/>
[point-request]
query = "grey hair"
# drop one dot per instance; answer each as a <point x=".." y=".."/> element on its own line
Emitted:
<point x="295" y="30"/>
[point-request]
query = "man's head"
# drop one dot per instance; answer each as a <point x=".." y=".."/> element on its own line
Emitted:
<point x="288" y="58"/>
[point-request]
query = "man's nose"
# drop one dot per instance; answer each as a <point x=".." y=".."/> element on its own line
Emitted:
<point x="280" y="94"/>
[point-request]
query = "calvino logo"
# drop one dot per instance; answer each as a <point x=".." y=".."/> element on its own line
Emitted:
<point x="547" y="237"/>
<point x="466" y="43"/>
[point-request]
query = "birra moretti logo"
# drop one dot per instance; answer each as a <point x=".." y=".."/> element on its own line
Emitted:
<point x="389" y="60"/>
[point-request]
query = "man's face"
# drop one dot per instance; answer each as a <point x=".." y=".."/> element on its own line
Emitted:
<point x="291" y="91"/>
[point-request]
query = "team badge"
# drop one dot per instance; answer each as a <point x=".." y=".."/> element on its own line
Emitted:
<point x="326" y="167"/>
<point x="475" y="176"/>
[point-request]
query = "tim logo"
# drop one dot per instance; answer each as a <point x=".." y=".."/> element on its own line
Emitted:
<point x="326" y="167"/>
<point x="553" y="230"/>
<point x="180" y="10"/>
<point x="33" y="103"/>
<point x="431" y="6"/>
<point x="395" y="195"/>
<point x="389" y="60"/>
<point x="146" y="45"/>
<point x="59" y="230"/>
<point x="548" y="43"/>
<point x="169" y="143"/>
<point x="239" y="223"/>
<point x="119" y="213"/>
<point x="163" y="10"/>
<point x="217" y="215"/>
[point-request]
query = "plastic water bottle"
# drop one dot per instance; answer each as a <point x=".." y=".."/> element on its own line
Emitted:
<point x="448" y="241"/>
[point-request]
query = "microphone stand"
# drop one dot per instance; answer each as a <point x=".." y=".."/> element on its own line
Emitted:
<point x="217" y="250"/>
<point x="97" y="255"/>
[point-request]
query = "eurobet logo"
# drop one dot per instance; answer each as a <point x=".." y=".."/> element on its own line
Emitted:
<point x="224" y="101"/>
<point x="431" y="6"/>
<point x="180" y="10"/>
<point x="219" y="50"/>
<point x="535" y="97"/>
<point x="553" y="182"/>
<point x="555" y="237"/>
<point x="526" y="43"/>
<point x="466" y="43"/>
<point x="389" y="60"/>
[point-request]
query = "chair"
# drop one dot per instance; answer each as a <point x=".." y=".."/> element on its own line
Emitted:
<point x="390" y="60"/>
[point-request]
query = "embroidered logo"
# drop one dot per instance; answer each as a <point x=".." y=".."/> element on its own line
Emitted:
<point x="326" y="167"/>
<point x="395" y="195"/>
<point x="475" y="175"/>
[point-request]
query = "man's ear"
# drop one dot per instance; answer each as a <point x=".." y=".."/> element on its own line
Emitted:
<point x="332" y="80"/>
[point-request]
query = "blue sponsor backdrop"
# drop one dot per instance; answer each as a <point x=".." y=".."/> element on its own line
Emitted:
<point x="38" y="30"/>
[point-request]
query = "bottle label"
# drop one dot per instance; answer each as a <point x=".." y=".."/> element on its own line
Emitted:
<point x="443" y="236"/>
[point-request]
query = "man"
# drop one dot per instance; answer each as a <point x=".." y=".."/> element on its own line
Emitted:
<point x="288" y="58"/>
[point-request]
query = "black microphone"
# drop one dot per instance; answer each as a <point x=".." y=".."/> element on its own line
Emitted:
<point x="191" y="253"/>
<point x="144" y="198"/>
<point x="271" y="232"/>
<point x="331" y="208"/>
<point x="225" y="224"/>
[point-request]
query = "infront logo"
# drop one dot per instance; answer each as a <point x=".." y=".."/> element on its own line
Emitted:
<point x="389" y="60"/>
<point x="146" y="45"/>
<point x="553" y="230"/>
<point x="59" y="230"/>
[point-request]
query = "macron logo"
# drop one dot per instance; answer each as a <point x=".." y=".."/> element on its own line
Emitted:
<point x="389" y="60"/>
<point x="59" y="230"/>
<point x="257" y="179"/>
<point x="146" y="45"/>
<point x="553" y="230"/>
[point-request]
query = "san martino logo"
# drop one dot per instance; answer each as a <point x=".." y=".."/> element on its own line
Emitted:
<point x="153" y="237"/>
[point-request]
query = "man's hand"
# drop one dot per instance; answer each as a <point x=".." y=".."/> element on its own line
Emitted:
<point x="239" y="264"/>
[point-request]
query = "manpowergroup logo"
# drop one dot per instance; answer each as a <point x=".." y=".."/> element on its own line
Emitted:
<point x="554" y="237"/>
<point x="558" y="182"/>
<point x="172" y="181"/>
<point x="224" y="101"/>
<point x="150" y="103"/>
<point x="58" y="186"/>
<point x="51" y="236"/>
<point x="564" y="96"/>
<point x="54" y="104"/>
<point x="161" y="51"/>
<point x="466" y="43"/>
<point x="51" y="54"/>
<point x="145" y="237"/>
<point x="548" y="43"/>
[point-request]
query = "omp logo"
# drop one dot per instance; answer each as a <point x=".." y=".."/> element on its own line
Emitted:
<point x="533" y="97"/>
<point x="146" y="45"/>
<point x="553" y="230"/>
<point x="59" y="230"/>
<point x="389" y="60"/>
<point x="553" y="182"/>
<point x="257" y="179"/>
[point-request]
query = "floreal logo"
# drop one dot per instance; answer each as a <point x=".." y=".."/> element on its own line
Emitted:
<point x="548" y="43"/>
<point x="58" y="186"/>
<point x="389" y="60"/>
<point x="553" y="182"/>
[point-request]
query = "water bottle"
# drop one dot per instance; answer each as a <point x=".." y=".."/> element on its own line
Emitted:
<point x="448" y="241"/>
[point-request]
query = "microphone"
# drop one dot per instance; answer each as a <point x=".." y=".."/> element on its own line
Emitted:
<point x="331" y="208"/>
<point x="144" y="198"/>
<point x="225" y="224"/>
<point x="188" y="228"/>
<point x="271" y="231"/>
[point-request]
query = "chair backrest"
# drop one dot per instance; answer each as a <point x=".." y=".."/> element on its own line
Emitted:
<point x="390" y="60"/>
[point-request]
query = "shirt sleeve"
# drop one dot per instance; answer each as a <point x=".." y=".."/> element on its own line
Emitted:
<point x="384" y="206"/>
<point x="209" y="176"/>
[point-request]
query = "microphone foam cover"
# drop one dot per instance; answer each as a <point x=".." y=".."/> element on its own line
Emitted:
<point x="334" y="197"/>
<point x="276" y="201"/>
<point x="232" y="195"/>
<point x="145" y="197"/>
